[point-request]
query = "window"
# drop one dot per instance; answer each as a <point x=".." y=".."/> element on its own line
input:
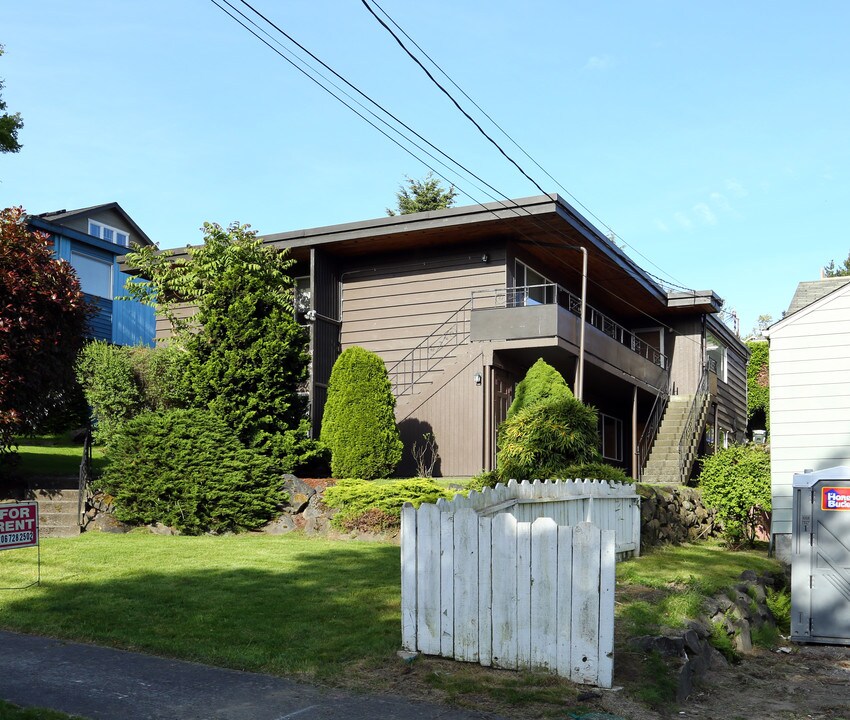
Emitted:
<point x="531" y="288"/>
<point x="611" y="437"/>
<point x="95" y="275"/>
<point x="715" y="352"/>
<point x="108" y="233"/>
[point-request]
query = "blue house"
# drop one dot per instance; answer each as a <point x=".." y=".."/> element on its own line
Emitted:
<point x="91" y="240"/>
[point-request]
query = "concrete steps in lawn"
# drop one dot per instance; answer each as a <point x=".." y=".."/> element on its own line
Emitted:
<point x="58" y="505"/>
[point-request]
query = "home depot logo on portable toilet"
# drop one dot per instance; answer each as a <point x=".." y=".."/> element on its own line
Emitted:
<point x="835" y="498"/>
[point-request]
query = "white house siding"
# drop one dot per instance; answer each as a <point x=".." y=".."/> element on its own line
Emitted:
<point x="809" y="397"/>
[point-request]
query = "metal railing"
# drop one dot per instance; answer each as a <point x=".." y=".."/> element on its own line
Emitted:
<point x="435" y="348"/>
<point x="85" y="477"/>
<point x="551" y="293"/>
<point x="689" y="431"/>
<point x="650" y="430"/>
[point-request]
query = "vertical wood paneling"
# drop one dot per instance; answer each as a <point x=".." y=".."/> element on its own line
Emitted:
<point x="607" y="583"/>
<point x="408" y="577"/>
<point x="544" y="593"/>
<point x="447" y="587"/>
<point x="564" y="636"/>
<point x="485" y="595"/>
<point x="585" y="609"/>
<point x="466" y="563"/>
<point x="428" y="579"/>
<point x="523" y="594"/>
<point x="504" y="575"/>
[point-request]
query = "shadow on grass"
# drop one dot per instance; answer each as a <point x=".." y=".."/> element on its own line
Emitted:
<point x="310" y="612"/>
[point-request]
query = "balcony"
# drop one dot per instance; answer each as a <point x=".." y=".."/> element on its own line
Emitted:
<point x="550" y="311"/>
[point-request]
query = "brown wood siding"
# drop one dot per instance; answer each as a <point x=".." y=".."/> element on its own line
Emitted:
<point x="391" y="308"/>
<point x="454" y="415"/>
<point x="164" y="331"/>
<point x="731" y="396"/>
<point x="685" y="351"/>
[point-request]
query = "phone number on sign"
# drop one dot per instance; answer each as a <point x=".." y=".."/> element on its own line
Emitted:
<point x="16" y="538"/>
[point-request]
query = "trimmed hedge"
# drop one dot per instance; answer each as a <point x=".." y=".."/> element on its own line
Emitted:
<point x="358" y="425"/>
<point x="541" y="382"/>
<point x="186" y="469"/>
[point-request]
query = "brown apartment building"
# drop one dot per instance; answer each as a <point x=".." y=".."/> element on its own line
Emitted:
<point x="461" y="302"/>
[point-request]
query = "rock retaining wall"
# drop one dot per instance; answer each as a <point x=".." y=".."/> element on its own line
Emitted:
<point x="674" y="514"/>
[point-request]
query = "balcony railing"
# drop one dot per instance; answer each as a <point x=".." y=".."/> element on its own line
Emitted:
<point x="550" y="294"/>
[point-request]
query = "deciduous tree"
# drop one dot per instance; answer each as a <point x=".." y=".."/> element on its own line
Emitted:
<point x="43" y="319"/>
<point x="9" y="125"/>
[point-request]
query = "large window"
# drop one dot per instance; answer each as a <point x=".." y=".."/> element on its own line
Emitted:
<point x="531" y="288"/>
<point x="611" y="437"/>
<point x="109" y="233"/>
<point x="715" y="352"/>
<point x="95" y="275"/>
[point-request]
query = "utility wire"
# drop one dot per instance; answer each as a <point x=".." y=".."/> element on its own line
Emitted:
<point x="502" y="130"/>
<point x="515" y="207"/>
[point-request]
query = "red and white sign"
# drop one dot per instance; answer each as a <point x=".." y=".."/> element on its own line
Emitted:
<point x="18" y="525"/>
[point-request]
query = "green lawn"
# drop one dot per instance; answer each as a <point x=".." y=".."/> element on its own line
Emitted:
<point x="284" y="604"/>
<point x="53" y="456"/>
<point x="13" y="712"/>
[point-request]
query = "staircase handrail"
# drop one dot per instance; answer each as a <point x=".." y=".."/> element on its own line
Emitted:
<point x="686" y="441"/>
<point x="432" y="350"/>
<point x="86" y="475"/>
<point x="650" y="430"/>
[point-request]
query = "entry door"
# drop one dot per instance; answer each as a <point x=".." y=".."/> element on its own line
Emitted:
<point x="830" y="563"/>
<point x="503" y="396"/>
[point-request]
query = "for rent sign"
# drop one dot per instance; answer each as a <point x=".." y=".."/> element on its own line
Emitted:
<point x="18" y="525"/>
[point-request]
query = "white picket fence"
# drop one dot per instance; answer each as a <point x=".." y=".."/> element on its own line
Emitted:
<point x="481" y="585"/>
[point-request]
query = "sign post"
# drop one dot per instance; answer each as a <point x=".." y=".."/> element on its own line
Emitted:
<point x="19" y="528"/>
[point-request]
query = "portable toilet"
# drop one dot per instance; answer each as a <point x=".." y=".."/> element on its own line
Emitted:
<point x="820" y="557"/>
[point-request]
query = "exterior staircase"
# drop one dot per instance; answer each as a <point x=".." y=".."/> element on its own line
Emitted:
<point x="58" y="505"/>
<point x="673" y="454"/>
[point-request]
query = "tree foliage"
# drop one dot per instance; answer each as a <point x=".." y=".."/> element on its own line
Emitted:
<point x="758" y="380"/>
<point x="358" y="425"/>
<point x="10" y="124"/>
<point x="736" y="481"/>
<point x="833" y="270"/>
<point x="246" y="354"/>
<point x="187" y="470"/>
<point x="541" y="382"/>
<point x="422" y="195"/>
<point x="544" y="439"/>
<point x="356" y="498"/>
<point x="43" y="318"/>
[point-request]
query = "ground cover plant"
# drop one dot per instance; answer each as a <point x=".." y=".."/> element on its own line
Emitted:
<point x="8" y="711"/>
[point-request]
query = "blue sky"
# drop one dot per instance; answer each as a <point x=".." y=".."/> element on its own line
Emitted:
<point x="711" y="137"/>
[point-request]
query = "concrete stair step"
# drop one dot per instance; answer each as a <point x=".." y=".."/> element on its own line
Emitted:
<point x="56" y="531"/>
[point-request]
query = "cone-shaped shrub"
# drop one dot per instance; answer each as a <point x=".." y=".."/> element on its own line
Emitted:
<point x="544" y="439"/>
<point x="541" y="382"/>
<point x="358" y="424"/>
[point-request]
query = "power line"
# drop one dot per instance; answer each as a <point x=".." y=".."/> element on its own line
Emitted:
<point x="499" y="127"/>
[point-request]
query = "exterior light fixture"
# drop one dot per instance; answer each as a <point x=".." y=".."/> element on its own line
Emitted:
<point x="477" y="378"/>
<point x="485" y="258"/>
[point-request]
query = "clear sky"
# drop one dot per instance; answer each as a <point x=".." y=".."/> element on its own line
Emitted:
<point x="711" y="137"/>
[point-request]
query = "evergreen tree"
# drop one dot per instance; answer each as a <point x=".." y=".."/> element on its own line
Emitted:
<point x="540" y="383"/>
<point x="422" y="195"/>
<point x="358" y="425"/>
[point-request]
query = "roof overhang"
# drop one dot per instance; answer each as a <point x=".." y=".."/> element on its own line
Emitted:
<point x="706" y="301"/>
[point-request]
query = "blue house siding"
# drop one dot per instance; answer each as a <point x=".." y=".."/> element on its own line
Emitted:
<point x="100" y="324"/>
<point x="121" y="322"/>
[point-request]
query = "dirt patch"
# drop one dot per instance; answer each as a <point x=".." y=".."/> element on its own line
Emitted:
<point x="810" y="683"/>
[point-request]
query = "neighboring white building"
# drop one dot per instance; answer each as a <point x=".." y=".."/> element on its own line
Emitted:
<point x="809" y="392"/>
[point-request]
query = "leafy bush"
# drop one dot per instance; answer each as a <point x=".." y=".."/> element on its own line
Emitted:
<point x="356" y="498"/>
<point x="591" y="471"/>
<point x="544" y="439"/>
<point x="540" y="383"/>
<point x="187" y="469"/>
<point x="164" y="375"/>
<point x="43" y="317"/>
<point x="779" y="604"/>
<point x="358" y="425"/>
<point x="110" y="385"/>
<point x="736" y="481"/>
<point x="758" y="380"/>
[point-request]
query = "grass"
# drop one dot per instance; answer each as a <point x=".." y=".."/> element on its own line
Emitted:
<point x="681" y="576"/>
<point x="285" y="604"/>
<point x="14" y="712"/>
<point x="52" y="456"/>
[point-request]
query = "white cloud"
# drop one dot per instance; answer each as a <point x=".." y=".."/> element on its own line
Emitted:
<point x="704" y="214"/>
<point x="662" y="226"/>
<point x="683" y="220"/>
<point x="599" y="62"/>
<point x="736" y="188"/>
<point x="721" y="202"/>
